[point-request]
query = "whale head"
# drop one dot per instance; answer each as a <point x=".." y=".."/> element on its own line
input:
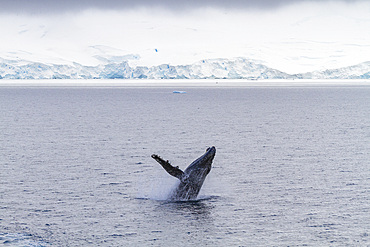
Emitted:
<point x="204" y="162"/>
<point x="200" y="167"/>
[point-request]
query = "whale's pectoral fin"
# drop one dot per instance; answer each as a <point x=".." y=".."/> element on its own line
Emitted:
<point x="174" y="171"/>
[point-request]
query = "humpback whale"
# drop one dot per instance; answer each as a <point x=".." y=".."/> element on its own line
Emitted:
<point x="191" y="180"/>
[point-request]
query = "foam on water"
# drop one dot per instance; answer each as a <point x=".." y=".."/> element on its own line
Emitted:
<point x="159" y="187"/>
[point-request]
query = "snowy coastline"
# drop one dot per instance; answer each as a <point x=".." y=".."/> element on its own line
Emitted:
<point x="182" y="83"/>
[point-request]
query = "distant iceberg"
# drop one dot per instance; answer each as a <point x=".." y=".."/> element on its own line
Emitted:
<point x="179" y="91"/>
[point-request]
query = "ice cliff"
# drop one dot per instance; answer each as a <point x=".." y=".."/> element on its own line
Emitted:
<point x="237" y="68"/>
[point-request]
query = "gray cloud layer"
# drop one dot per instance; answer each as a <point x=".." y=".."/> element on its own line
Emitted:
<point x="60" y="6"/>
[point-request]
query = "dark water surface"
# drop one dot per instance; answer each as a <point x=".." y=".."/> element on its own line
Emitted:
<point x="292" y="166"/>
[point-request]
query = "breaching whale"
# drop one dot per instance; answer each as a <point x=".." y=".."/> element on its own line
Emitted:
<point x="191" y="180"/>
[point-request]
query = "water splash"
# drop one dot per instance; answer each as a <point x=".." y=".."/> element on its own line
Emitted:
<point x="157" y="188"/>
<point x="163" y="189"/>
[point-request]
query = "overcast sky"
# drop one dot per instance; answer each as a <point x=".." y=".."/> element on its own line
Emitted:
<point x="55" y="6"/>
<point x="291" y="35"/>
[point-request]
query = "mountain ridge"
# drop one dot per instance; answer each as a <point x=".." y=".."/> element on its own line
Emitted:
<point x="235" y="68"/>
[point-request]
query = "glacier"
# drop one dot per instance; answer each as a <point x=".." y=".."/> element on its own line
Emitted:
<point x="236" y="68"/>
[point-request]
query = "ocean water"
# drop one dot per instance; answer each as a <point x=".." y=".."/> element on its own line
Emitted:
<point x="292" y="166"/>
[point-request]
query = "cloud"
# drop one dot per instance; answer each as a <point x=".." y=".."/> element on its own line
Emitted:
<point x="62" y="6"/>
<point x="327" y="34"/>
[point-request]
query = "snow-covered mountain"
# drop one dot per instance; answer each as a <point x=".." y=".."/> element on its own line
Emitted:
<point x="359" y="71"/>
<point x="238" y="68"/>
<point x="119" y="68"/>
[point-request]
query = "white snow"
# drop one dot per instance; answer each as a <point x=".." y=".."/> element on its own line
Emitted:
<point x="326" y="35"/>
<point x="237" y="68"/>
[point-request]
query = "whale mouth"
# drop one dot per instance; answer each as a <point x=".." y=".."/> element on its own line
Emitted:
<point x="205" y="160"/>
<point x="209" y="155"/>
<point x="211" y="150"/>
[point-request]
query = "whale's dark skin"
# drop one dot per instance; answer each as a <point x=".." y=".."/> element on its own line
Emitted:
<point x="191" y="180"/>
